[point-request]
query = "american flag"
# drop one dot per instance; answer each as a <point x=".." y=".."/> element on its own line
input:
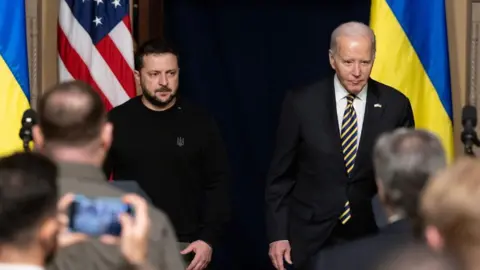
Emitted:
<point x="95" y="45"/>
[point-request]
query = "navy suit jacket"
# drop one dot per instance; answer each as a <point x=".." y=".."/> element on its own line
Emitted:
<point x="307" y="184"/>
<point x="365" y="253"/>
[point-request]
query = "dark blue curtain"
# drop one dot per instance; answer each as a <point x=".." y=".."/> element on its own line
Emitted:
<point x="238" y="58"/>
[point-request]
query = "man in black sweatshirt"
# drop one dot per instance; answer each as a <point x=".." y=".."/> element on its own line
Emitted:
<point x="174" y="150"/>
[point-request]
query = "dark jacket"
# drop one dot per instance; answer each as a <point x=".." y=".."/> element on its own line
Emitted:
<point x="307" y="185"/>
<point x="366" y="253"/>
<point x="178" y="158"/>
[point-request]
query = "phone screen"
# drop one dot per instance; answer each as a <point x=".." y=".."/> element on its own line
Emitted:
<point x="97" y="216"/>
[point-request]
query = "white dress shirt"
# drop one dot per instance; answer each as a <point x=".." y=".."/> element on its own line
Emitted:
<point x="359" y="104"/>
<point x="12" y="266"/>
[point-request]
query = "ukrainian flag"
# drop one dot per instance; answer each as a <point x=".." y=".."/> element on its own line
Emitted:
<point x="412" y="56"/>
<point x="14" y="83"/>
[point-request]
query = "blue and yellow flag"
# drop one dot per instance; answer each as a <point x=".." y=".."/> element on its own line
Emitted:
<point x="14" y="83"/>
<point x="412" y="56"/>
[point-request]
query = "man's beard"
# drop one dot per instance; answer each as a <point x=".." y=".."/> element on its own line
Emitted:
<point x="156" y="101"/>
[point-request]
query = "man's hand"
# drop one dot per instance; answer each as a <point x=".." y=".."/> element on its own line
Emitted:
<point x="203" y="255"/>
<point x="278" y="251"/>
<point x="135" y="231"/>
<point x="133" y="240"/>
<point x="65" y="237"/>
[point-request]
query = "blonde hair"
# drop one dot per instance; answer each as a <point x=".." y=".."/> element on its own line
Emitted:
<point x="451" y="203"/>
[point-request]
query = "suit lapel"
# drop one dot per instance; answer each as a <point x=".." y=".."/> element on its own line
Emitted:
<point x="373" y="114"/>
<point x="332" y="119"/>
<point x="331" y="108"/>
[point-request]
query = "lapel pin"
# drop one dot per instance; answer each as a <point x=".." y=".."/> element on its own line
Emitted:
<point x="378" y="105"/>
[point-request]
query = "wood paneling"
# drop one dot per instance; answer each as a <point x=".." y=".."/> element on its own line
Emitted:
<point x="33" y="46"/>
<point x="48" y="65"/>
<point x="149" y="19"/>
<point x="458" y="20"/>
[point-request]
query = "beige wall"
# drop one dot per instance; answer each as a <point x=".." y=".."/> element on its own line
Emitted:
<point x="33" y="27"/>
<point x="457" y="23"/>
<point x="475" y="56"/>
<point x="42" y="44"/>
<point x="48" y="64"/>
<point x="42" y="16"/>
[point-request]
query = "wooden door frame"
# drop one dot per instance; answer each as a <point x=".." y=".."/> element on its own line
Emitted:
<point x="147" y="17"/>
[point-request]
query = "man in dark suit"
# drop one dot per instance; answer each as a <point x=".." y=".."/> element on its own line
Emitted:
<point x="404" y="160"/>
<point x="321" y="180"/>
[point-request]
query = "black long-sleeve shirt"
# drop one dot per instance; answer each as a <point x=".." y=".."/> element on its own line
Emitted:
<point x="178" y="158"/>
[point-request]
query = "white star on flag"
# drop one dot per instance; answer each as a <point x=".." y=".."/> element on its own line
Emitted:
<point x="96" y="46"/>
<point x="116" y="3"/>
<point x="97" y="21"/>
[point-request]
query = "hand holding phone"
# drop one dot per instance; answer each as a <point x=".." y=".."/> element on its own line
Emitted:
<point x="121" y="221"/>
<point x="65" y="237"/>
<point x="97" y="216"/>
<point x="135" y="231"/>
<point x="133" y="240"/>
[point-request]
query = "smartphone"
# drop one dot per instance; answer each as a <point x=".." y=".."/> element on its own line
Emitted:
<point x="97" y="216"/>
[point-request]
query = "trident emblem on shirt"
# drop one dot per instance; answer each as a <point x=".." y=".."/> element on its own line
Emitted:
<point x="180" y="141"/>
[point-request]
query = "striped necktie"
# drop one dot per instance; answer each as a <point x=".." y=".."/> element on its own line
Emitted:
<point x="348" y="136"/>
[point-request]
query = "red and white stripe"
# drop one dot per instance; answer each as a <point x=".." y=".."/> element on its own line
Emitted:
<point x="108" y="66"/>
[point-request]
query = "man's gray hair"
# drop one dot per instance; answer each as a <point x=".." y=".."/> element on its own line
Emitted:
<point x="351" y="29"/>
<point x="404" y="160"/>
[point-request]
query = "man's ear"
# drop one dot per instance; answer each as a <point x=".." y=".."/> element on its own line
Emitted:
<point x="136" y="73"/>
<point x="48" y="229"/>
<point x="138" y="86"/>
<point x="331" y="58"/>
<point x="107" y="135"/>
<point x="38" y="139"/>
<point x="434" y="238"/>
<point x="381" y="191"/>
<point x="48" y="233"/>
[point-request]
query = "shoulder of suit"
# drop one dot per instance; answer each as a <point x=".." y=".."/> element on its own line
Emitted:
<point x="100" y="256"/>
<point x="388" y="91"/>
<point x="161" y="224"/>
<point x="353" y="247"/>
<point x="306" y="91"/>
